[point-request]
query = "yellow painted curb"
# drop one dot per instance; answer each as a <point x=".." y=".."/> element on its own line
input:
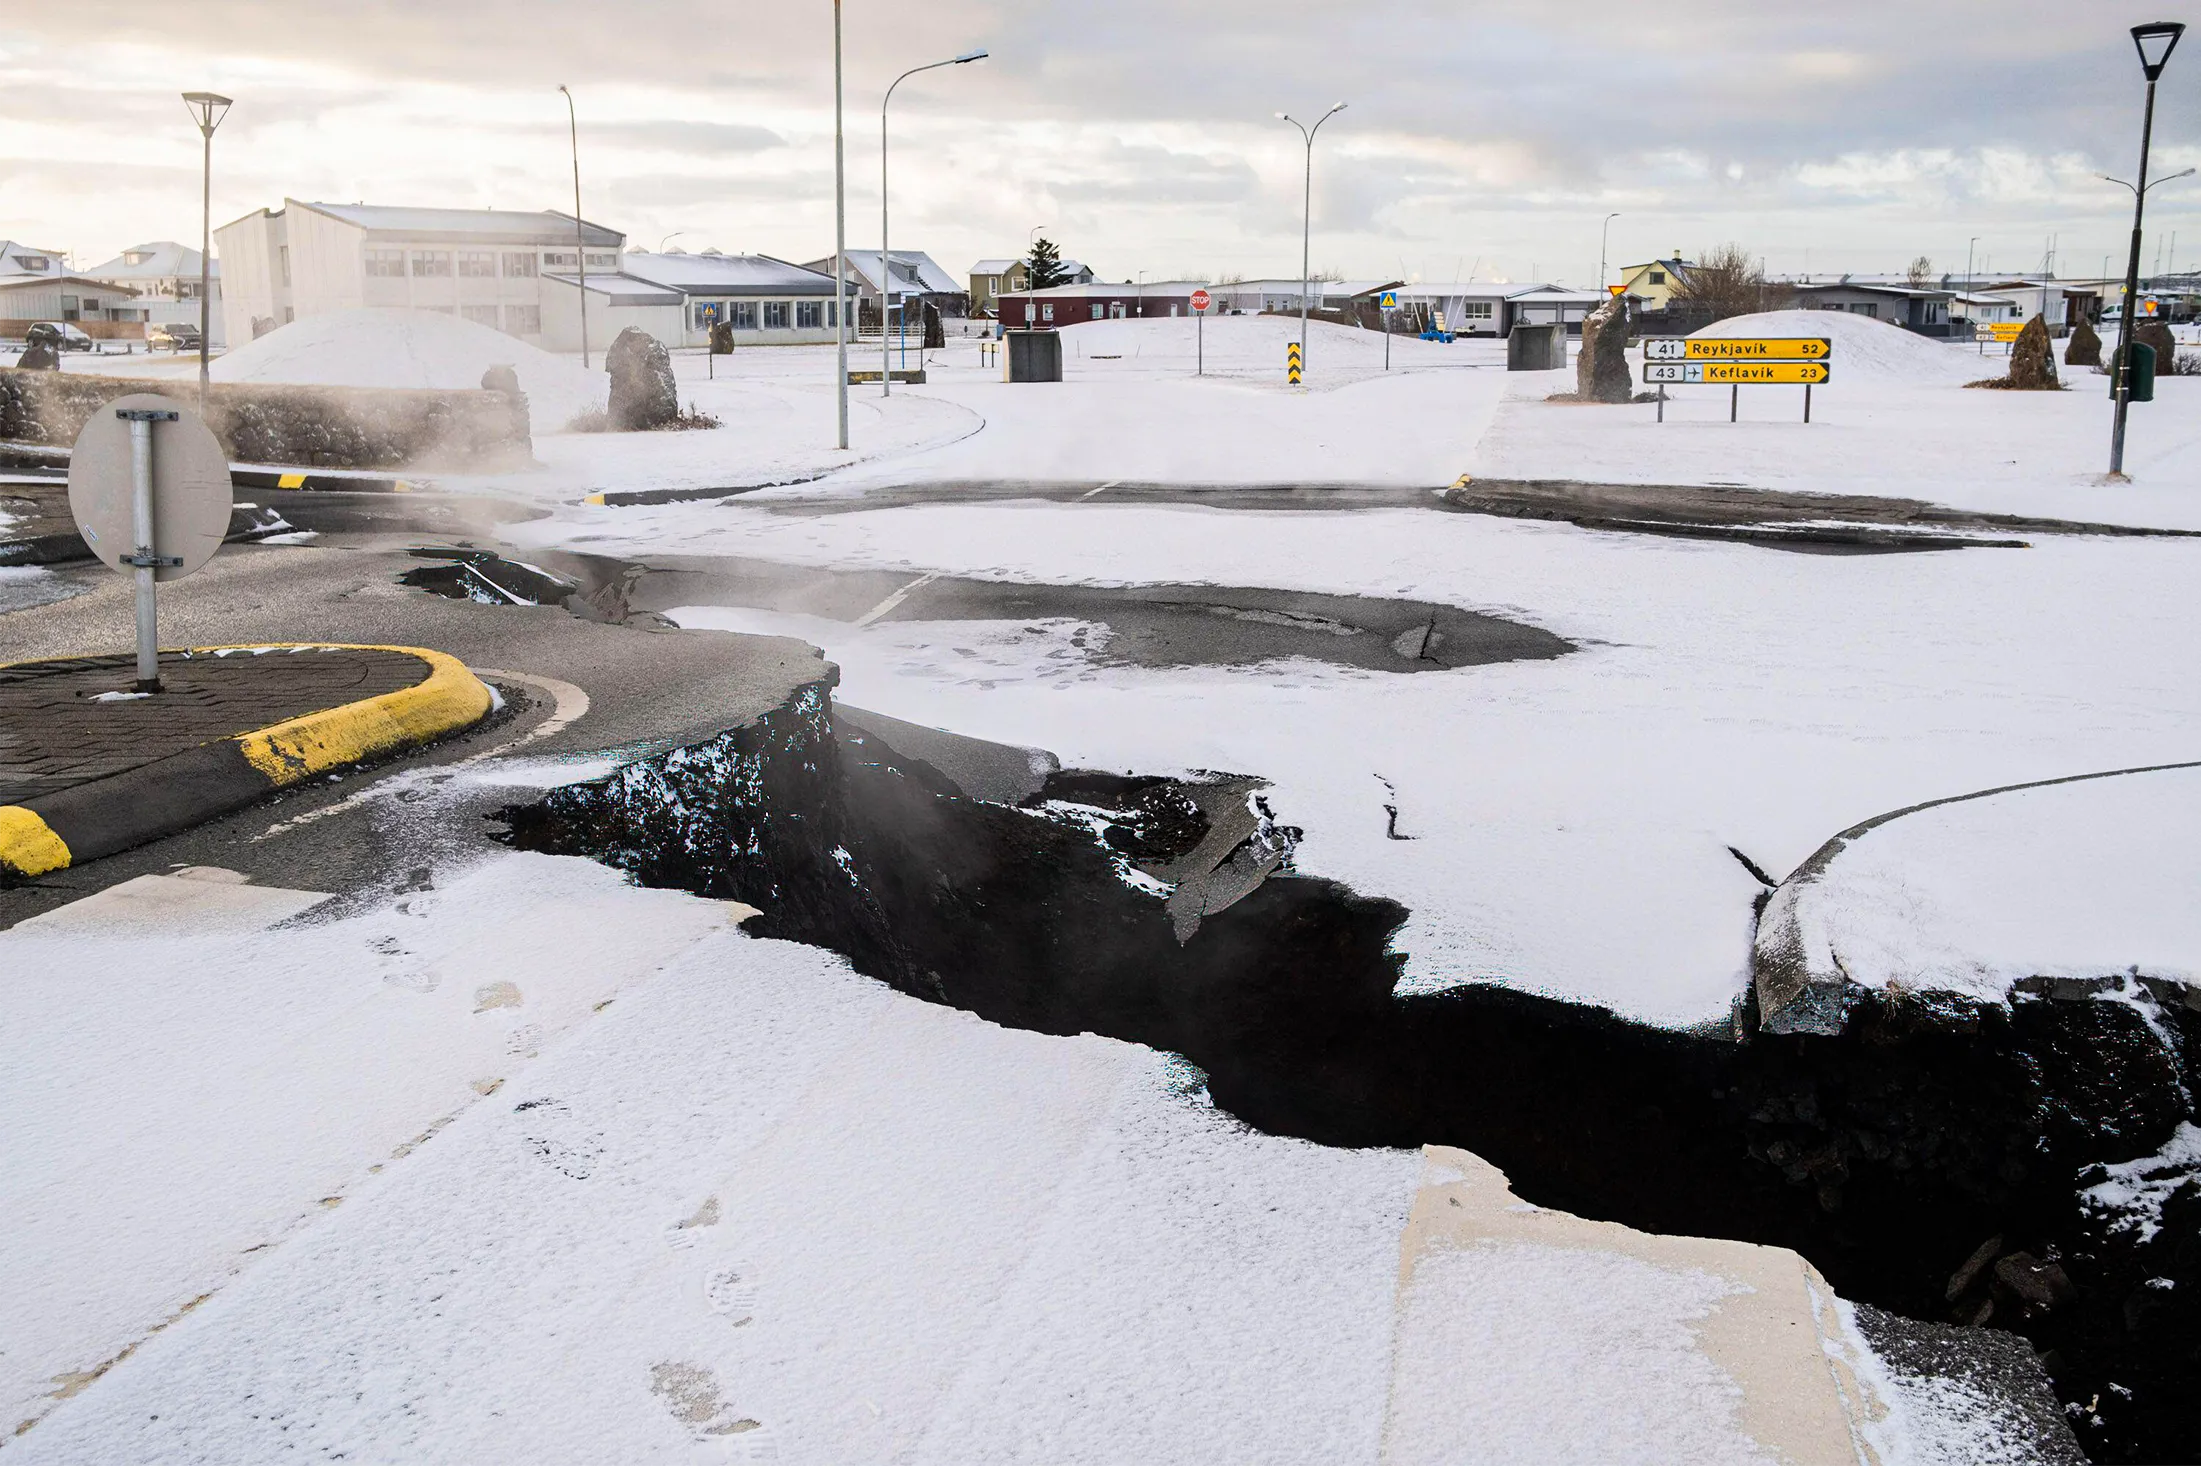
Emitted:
<point x="27" y="846"/>
<point x="451" y="698"/>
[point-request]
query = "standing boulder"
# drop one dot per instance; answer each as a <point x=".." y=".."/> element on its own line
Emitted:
<point x="643" y="393"/>
<point x="41" y="349"/>
<point x="2157" y="333"/>
<point x="2086" y="346"/>
<point x="1601" y="371"/>
<point x="2033" y="359"/>
<point x="722" y="338"/>
<point x="935" y="333"/>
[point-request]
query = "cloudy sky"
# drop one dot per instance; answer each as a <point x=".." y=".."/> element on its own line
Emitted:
<point x="1484" y="137"/>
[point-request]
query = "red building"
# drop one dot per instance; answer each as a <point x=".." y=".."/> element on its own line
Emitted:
<point x="1066" y="305"/>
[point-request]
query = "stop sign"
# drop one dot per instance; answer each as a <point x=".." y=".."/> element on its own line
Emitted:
<point x="1201" y="300"/>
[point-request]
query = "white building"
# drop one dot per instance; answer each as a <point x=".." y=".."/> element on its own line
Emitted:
<point x="165" y="276"/>
<point x="30" y="259"/>
<point x="916" y="279"/>
<point x="677" y="297"/>
<point x="491" y="266"/>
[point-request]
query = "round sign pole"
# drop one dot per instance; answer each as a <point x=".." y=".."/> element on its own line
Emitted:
<point x="141" y="420"/>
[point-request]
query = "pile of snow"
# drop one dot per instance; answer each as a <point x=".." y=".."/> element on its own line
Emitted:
<point x="1863" y="346"/>
<point x="413" y="349"/>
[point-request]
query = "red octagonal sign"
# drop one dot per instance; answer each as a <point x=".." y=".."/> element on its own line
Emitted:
<point x="1201" y="300"/>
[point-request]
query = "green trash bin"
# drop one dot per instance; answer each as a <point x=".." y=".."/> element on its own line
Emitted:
<point x="2143" y="374"/>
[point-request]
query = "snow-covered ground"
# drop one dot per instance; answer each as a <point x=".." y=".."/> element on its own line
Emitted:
<point x="534" y="1168"/>
<point x="1896" y="419"/>
<point x="2087" y="879"/>
<point x="1570" y="819"/>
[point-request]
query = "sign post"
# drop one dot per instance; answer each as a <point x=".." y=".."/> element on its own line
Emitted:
<point x="1292" y="360"/>
<point x="1387" y="304"/>
<point x="1737" y="363"/>
<point x="153" y="503"/>
<point x="1201" y="300"/>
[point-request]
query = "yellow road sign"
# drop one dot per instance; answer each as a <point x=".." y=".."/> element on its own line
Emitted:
<point x="1292" y="363"/>
<point x="1740" y="373"/>
<point x="1999" y="331"/>
<point x="1792" y="348"/>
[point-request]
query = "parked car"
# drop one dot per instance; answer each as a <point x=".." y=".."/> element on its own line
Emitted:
<point x="174" y="335"/>
<point x="62" y="335"/>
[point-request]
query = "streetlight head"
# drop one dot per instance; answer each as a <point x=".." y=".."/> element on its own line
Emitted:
<point x="2155" y="42"/>
<point x="967" y="56"/>
<point x="208" y="109"/>
<point x="562" y="88"/>
<point x="1338" y="108"/>
<point x="1283" y="116"/>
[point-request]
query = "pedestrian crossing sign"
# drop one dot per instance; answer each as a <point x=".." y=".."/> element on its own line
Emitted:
<point x="1390" y="301"/>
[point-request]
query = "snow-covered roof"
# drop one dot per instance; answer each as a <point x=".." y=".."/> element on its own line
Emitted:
<point x="1103" y="288"/>
<point x="18" y="259"/>
<point x="26" y="282"/>
<point x="163" y="259"/>
<point x="913" y="270"/>
<point x="1560" y="293"/>
<point x="503" y="226"/>
<point x="995" y="267"/>
<point x="622" y="289"/>
<point x="726" y="274"/>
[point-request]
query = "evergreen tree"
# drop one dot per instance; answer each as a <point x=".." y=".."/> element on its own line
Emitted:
<point x="1045" y="266"/>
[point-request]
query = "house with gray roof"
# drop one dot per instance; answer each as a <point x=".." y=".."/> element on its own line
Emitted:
<point x="678" y="297"/>
<point x="166" y="277"/>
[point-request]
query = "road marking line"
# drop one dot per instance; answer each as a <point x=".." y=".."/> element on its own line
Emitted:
<point x="896" y="599"/>
<point x="1109" y="485"/>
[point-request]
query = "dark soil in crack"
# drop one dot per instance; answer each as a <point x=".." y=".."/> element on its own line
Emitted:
<point x="1929" y="1160"/>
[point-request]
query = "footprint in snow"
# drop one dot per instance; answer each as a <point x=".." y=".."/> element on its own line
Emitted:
<point x="732" y="1292"/>
<point x="690" y="1392"/>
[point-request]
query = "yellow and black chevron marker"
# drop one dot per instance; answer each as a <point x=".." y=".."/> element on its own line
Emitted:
<point x="1291" y="363"/>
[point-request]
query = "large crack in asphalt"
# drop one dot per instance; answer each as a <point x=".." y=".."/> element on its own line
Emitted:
<point x="1929" y="1159"/>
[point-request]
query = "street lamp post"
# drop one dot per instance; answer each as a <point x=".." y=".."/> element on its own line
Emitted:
<point x="886" y="260"/>
<point x="840" y="243"/>
<point x="2154" y="42"/>
<point x="580" y="239"/>
<point x="207" y="110"/>
<point x="1306" y="227"/>
<point x="1969" y="287"/>
<point x="1603" y="233"/>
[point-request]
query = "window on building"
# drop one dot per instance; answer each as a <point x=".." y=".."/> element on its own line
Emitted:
<point x="34" y="264"/>
<point x="519" y="266"/>
<point x="189" y="289"/>
<point x="1658" y="277"/>
<point x="431" y="264"/>
<point x="282" y="259"/>
<point x="386" y="262"/>
<point x="1098" y="310"/>
<point x="1046" y="312"/>
<point x="478" y="265"/>
<point x="1865" y="308"/>
<point x="809" y="314"/>
<point x="1475" y="310"/>
<point x="775" y="315"/>
<point x="559" y="259"/>
<point x="480" y="315"/>
<point x="523" y="320"/>
<point x="742" y="315"/>
<point x="602" y="261"/>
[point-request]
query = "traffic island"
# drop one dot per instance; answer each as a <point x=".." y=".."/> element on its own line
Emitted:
<point x="89" y="767"/>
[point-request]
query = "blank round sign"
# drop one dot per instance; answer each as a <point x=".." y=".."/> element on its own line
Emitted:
<point x="191" y="496"/>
